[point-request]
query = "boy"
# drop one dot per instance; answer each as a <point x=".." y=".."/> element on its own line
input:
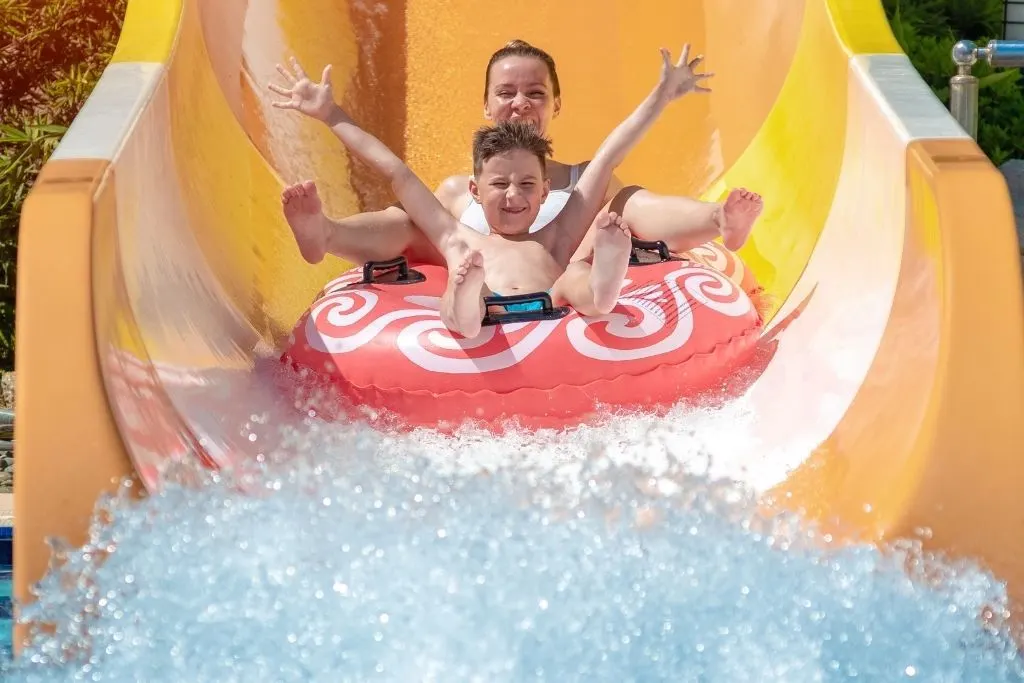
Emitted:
<point x="510" y="183"/>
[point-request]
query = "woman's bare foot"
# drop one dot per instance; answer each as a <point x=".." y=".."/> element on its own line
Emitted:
<point x="304" y="213"/>
<point x="462" y="306"/>
<point x="611" y="260"/>
<point x="736" y="217"/>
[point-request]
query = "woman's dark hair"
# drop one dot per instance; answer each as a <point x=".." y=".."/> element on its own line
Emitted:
<point x="521" y="48"/>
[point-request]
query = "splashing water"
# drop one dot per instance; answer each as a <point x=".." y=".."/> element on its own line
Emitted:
<point x="423" y="559"/>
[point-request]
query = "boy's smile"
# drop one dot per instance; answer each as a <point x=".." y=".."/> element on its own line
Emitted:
<point x="511" y="188"/>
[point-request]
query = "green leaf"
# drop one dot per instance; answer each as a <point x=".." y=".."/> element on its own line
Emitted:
<point x="52" y="129"/>
<point x="998" y="77"/>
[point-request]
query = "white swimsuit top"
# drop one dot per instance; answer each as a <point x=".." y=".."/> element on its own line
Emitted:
<point x="473" y="216"/>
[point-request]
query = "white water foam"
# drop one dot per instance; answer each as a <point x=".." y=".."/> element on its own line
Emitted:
<point x="613" y="552"/>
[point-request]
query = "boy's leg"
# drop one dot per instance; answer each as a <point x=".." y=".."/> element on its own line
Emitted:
<point x="573" y="288"/>
<point x="462" y="304"/>
<point x="592" y="285"/>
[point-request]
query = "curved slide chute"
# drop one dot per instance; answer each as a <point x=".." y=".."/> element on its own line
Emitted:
<point x="156" y="272"/>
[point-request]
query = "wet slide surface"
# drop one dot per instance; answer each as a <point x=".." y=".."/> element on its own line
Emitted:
<point x="890" y="390"/>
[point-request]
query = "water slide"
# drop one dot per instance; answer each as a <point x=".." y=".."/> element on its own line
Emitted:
<point x="157" y="276"/>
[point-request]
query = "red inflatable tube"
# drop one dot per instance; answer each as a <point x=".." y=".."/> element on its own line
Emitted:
<point x="377" y="344"/>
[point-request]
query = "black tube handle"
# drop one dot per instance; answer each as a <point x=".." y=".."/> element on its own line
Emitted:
<point x="655" y="246"/>
<point x="406" y="275"/>
<point x="547" y="311"/>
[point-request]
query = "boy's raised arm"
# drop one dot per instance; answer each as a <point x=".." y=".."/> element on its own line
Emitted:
<point x="317" y="101"/>
<point x="588" y="195"/>
<point x="417" y="199"/>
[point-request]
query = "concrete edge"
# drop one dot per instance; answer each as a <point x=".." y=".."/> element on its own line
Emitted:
<point x="6" y="509"/>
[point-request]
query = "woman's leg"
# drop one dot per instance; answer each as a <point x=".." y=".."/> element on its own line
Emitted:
<point x="682" y="223"/>
<point x="371" y="236"/>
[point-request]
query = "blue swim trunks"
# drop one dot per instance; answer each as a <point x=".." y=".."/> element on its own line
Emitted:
<point x="521" y="308"/>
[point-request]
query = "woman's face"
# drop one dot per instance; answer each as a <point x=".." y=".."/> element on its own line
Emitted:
<point x="520" y="90"/>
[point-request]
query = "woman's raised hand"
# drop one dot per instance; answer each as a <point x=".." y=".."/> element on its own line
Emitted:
<point x="679" y="78"/>
<point x="312" y="99"/>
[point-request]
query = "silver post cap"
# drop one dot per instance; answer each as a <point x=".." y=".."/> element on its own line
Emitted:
<point x="965" y="53"/>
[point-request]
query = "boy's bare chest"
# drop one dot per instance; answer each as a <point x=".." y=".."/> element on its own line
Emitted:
<point x="517" y="266"/>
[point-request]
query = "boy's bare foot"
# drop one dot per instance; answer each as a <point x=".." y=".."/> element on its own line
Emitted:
<point x="611" y="260"/>
<point x="304" y="213"/>
<point x="462" y="306"/>
<point x="736" y="217"/>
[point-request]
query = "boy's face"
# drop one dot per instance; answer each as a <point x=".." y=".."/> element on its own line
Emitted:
<point x="510" y="188"/>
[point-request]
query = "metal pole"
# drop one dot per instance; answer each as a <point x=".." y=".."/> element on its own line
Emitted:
<point x="963" y="87"/>
<point x="1003" y="53"/>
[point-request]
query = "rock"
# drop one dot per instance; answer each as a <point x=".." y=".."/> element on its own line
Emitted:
<point x="7" y="391"/>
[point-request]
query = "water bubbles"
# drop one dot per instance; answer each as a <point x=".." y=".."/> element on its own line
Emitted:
<point x="368" y="557"/>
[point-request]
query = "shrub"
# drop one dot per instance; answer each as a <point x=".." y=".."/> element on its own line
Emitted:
<point x="927" y="31"/>
<point x="51" y="54"/>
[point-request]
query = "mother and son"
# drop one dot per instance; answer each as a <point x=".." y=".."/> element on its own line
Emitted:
<point x="504" y="230"/>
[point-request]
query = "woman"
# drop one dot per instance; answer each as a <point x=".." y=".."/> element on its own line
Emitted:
<point x="521" y="83"/>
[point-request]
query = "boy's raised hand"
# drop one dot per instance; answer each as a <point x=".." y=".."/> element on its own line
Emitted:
<point x="312" y="99"/>
<point x="679" y="78"/>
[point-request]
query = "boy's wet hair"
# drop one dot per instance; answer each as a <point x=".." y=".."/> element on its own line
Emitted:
<point x="521" y="48"/>
<point x="490" y="141"/>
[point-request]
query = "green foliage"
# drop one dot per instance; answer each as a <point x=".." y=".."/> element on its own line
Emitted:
<point x="927" y="31"/>
<point x="51" y="54"/>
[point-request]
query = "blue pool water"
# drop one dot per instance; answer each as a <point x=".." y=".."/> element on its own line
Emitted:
<point x="6" y="611"/>
<point x="368" y="559"/>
